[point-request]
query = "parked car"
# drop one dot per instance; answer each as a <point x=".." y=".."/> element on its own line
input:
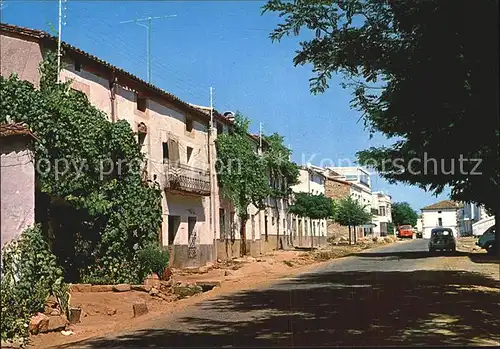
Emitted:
<point x="487" y="240"/>
<point x="405" y="231"/>
<point x="442" y="239"/>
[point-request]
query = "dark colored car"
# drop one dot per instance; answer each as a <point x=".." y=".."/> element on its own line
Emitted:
<point x="442" y="239"/>
<point x="487" y="240"/>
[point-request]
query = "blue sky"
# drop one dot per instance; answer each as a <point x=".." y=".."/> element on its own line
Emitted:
<point x="223" y="44"/>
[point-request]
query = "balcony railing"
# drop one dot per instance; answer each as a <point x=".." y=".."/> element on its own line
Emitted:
<point x="188" y="179"/>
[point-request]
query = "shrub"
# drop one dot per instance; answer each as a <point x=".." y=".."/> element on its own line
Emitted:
<point x="30" y="274"/>
<point x="153" y="259"/>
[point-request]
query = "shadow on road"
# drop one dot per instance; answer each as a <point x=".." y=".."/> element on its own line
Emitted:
<point x="484" y="258"/>
<point x="408" y="254"/>
<point x="339" y="308"/>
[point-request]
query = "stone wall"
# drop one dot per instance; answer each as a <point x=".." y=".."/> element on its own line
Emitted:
<point x="17" y="187"/>
<point x="336" y="190"/>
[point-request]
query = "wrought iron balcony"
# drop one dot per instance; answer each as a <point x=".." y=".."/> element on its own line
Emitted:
<point x="187" y="179"/>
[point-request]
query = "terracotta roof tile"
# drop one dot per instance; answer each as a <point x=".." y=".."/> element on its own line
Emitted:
<point x="445" y="204"/>
<point x="42" y="35"/>
<point x="15" y="129"/>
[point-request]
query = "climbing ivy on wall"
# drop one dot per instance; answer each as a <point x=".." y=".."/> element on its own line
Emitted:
<point x="93" y="207"/>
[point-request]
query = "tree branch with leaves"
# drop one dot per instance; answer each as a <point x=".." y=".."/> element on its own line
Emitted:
<point x="241" y="173"/>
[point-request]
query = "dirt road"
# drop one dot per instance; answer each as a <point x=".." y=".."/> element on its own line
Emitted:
<point x="393" y="295"/>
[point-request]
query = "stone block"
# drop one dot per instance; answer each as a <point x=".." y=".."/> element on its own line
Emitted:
<point x="80" y="288"/>
<point x="102" y="288"/>
<point x="121" y="288"/>
<point x="140" y="308"/>
<point x="39" y="323"/>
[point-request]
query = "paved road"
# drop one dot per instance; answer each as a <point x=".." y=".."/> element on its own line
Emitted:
<point x="393" y="295"/>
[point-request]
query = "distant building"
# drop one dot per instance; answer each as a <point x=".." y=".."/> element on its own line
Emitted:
<point x="445" y="214"/>
<point x="336" y="188"/>
<point x="311" y="180"/>
<point x="382" y="210"/>
<point x="17" y="174"/>
<point x="360" y="188"/>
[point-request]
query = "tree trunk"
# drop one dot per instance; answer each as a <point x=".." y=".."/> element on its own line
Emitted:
<point x="349" y="235"/>
<point x="243" y="236"/>
<point x="497" y="232"/>
<point x="355" y="235"/>
<point x="311" y="230"/>
<point x="278" y="226"/>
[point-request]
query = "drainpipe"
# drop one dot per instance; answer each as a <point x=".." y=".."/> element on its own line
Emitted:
<point x="112" y="88"/>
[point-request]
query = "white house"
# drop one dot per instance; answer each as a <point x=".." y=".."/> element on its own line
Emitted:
<point x="442" y="214"/>
<point x="475" y="219"/>
<point x="382" y="205"/>
<point x="311" y="180"/>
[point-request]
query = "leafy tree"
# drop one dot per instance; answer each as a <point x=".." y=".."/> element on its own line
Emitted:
<point x="419" y="75"/>
<point x="311" y="206"/>
<point x="90" y="199"/>
<point x="390" y="228"/>
<point x="350" y="213"/>
<point x="283" y="174"/>
<point x="30" y="273"/>
<point x="402" y="214"/>
<point x="241" y="173"/>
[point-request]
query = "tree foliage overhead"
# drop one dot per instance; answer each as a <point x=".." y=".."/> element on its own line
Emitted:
<point x="422" y="71"/>
<point x="403" y="214"/>
<point x="241" y="172"/>
<point x="97" y="218"/>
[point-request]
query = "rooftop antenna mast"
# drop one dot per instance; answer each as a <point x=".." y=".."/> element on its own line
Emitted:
<point x="61" y="22"/>
<point x="260" y="136"/>
<point x="148" y="25"/>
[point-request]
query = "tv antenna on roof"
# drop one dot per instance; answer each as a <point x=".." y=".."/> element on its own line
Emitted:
<point x="148" y="24"/>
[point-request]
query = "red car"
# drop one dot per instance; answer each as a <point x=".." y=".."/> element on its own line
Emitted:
<point x="405" y="231"/>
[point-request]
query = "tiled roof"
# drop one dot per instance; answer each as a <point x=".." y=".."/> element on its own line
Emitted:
<point x="443" y="205"/>
<point x="17" y="129"/>
<point x="44" y="36"/>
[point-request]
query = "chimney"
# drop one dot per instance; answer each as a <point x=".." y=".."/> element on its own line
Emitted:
<point x="229" y="115"/>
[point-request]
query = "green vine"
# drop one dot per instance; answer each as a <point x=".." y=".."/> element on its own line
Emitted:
<point x="96" y="212"/>
<point x="30" y="273"/>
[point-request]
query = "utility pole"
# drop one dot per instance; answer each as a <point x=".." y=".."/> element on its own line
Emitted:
<point x="260" y="137"/>
<point x="210" y="171"/>
<point x="148" y="26"/>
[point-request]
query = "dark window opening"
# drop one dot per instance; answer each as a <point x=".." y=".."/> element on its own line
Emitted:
<point x="191" y="225"/>
<point x="165" y="151"/>
<point x="440" y="221"/>
<point x="189" y="153"/>
<point x="141" y="138"/>
<point x="220" y="128"/>
<point x="173" y="226"/>
<point x="141" y="103"/>
<point x="222" y="223"/>
<point x="78" y="65"/>
<point x="189" y="124"/>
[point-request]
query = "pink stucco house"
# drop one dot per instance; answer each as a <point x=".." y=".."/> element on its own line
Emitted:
<point x="17" y="173"/>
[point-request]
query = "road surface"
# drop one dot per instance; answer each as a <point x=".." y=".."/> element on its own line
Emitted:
<point x="392" y="295"/>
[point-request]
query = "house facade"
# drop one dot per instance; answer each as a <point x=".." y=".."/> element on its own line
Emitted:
<point x="176" y="137"/>
<point x="17" y="176"/>
<point x="360" y="190"/>
<point x="305" y="231"/>
<point x="381" y="207"/>
<point x="441" y="214"/>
